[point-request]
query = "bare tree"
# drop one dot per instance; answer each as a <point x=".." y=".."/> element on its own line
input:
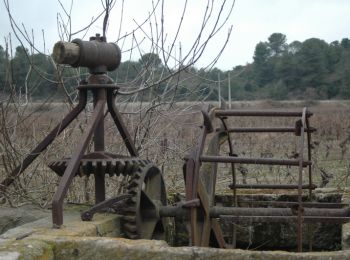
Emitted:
<point x="148" y="96"/>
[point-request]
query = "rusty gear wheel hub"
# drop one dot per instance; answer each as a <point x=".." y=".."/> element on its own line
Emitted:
<point x="141" y="218"/>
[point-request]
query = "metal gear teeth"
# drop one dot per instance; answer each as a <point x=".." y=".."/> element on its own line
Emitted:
<point x="130" y="209"/>
<point x="132" y="190"/>
<point x="130" y="227"/>
<point x="132" y="184"/>
<point x="109" y="168"/>
<point x="80" y="171"/>
<point x="137" y="175"/>
<point x="127" y="168"/>
<point x="131" y="235"/>
<point x="129" y="224"/>
<point x="129" y="218"/>
<point x="132" y="200"/>
<point x="120" y="167"/>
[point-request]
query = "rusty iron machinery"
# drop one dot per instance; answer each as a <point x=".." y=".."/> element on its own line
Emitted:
<point x="144" y="206"/>
<point x="99" y="57"/>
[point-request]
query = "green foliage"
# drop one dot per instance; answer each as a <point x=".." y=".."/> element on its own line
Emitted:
<point x="261" y="54"/>
<point x="20" y="66"/>
<point x="277" y="43"/>
<point x="312" y="69"/>
<point x="150" y="60"/>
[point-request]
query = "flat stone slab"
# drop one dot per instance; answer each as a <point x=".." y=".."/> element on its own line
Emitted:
<point x="70" y="247"/>
<point x="97" y="240"/>
<point x="102" y="225"/>
<point x="13" y="217"/>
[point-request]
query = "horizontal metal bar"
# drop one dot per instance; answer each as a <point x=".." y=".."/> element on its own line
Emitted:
<point x="267" y="113"/>
<point x="284" y="219"/>
<point x="264" y="161"/>
<point x="219" y="211"/>
<point x="272" y="186"/>
<point x="266" y="130"/>
<point x="291" y="203"/>
<point x="245" y="211"/>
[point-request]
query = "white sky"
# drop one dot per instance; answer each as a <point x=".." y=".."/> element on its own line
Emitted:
<point x="252" y="21"/>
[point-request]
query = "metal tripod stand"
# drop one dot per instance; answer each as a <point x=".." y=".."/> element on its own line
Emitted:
<point x="99" y="57"/>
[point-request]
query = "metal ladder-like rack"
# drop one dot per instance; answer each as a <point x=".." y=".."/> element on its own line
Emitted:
<point x="299" y="211"/>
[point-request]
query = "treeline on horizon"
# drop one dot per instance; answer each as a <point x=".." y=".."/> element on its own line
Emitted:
<point x="312" y="69"/>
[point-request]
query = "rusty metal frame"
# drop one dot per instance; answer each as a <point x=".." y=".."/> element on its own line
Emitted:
<point x="120" y="124"/>
<point x="201" y="224"/>
<point x="73" y="165"/>
<point x="194" y="187"/>
<point x="103" y="94"/>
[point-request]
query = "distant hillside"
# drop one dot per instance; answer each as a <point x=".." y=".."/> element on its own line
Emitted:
<point x="313" y="69"/>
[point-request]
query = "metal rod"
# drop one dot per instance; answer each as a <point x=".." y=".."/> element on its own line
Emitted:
<point x="245" y="211"/>
<point x="300" y="184"/>
<point x="268" y="161"/>
<point x="308" y="136"/>
<point x="290" y="204"/>
<point x="271" y="186"/>
<point x="99" y="146"/>
<point x="267" y="130"/>
<point x="120" y="124"/>
<point x="218" y="211"/>
<point x="73" y="165"/>
<point x="267" y="113"/>
<point x="88" y="214"/>
<point x="307" y="126"/>
<point x="233" y="172"/>
<point x="196" y="230"/>
<point x="284" y="219"/>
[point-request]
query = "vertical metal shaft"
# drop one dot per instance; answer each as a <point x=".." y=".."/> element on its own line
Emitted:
<point x="300" y="184"/>
<point x="99" y="146"/>
<point x="309" y="155"/>
<point x="233" y="171"/>
<point x="307" y="125"/>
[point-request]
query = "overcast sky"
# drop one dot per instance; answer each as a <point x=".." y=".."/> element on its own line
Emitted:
<point x="252" y="21"/>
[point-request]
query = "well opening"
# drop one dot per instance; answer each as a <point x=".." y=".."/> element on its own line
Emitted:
<point x="262" y="236"/>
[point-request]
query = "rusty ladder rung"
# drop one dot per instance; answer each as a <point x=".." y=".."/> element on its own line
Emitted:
<point x="285" y="219"/>
<point x="272" y="186"/>
<point x="266" y="130"/>
<point x="263" y="161"/>
<point x="266" y="113"/>
<point x="292" y="203"/>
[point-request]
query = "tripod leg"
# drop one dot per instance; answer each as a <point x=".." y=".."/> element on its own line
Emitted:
<point x="99" y="145"/>
<point x="73" y="165"/>
<point x="46" y="141"/>
<point x="120" y="124"/>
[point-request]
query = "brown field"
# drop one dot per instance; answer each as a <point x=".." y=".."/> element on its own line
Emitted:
<point x="165" y="135"/>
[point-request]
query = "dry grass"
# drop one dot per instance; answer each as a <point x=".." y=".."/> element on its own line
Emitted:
<point x="179" y="126"/>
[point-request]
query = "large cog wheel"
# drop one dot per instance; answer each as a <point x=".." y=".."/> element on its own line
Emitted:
<point x="141" y="218"/>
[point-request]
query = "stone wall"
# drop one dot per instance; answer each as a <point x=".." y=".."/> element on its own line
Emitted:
<point x="98" y="239"/>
